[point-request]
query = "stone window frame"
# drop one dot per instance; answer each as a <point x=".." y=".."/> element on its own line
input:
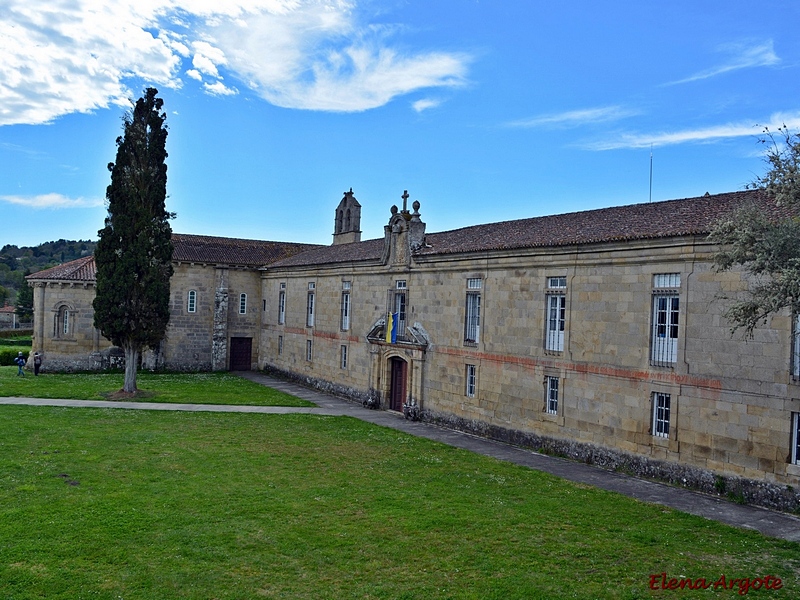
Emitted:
<point x="191" y="301"/>
<point x="343" y="357"/>
<point x="555" y="316"/>
<point x="665" y="318"/>
<point x="472" y="311"/>
<point x="795" y="451"/>
<point x="311" y="304"/>
<point x="661" y="415"/>
<point x="243" y="303"/>
<point x="282" y="305"/>
<point x="309" y="350"/>
<point x="470" y="380"/>
<point x="280" y="345"/>
<point x="346" y="306"/>
<point x="552" y="393"/>
<point x="64" y="322"/>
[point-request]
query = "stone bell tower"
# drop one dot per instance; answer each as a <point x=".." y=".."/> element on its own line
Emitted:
<point x="347" y="223"/>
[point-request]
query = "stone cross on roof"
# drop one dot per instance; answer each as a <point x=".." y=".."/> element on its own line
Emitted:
<point x="405" y="200"/>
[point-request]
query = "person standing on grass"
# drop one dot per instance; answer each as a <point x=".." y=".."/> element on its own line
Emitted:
<point x="20" y="363"/>
<point x="37" y="362"/>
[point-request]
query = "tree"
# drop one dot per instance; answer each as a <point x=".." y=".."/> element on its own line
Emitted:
<point x="24" y="304"/>
<point x="766" y="244"/>
<point x="134" y="250"/>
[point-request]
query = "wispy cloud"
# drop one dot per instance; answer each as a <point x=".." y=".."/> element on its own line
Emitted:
<point x="576" y="118"/>
<point x="712" y="133"/>
<point x="425" y="104"/>
<point x="742" y="57"/>
<point x="306" y="54"/>
<point x="43" y="201"/>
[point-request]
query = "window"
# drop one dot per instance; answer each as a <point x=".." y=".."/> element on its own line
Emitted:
<point x="556" y="283"/>
<point x="661" y="406"/>
<point x="343" y="357"/>
<point x="282" y="306"/>
<point x="242" y="304"/>
<point x="666" y="305"/>
<point x="472" y="317"/>
<point x="63" y="322"/>
<point x="280" y="344"/>
<point x="264" y="305"/>
<point x="310" y="306"/>
<point x="556" y="317"/>
<point x="191" y="302"/>
<point x="551" y="395"/>
<point x="345" y="321"/>
<point x="796" y="438"/>
<point x="308" y="350"/>
<point x="471" y="380"/>
<point x="396" y="305"/>
<point x="796" y="348"/>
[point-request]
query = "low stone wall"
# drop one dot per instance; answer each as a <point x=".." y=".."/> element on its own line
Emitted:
<point x="345" y="392"/>
<point x="737" y="489"/>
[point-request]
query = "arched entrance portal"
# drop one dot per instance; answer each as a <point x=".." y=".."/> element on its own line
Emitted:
<point x="398" y="378"/>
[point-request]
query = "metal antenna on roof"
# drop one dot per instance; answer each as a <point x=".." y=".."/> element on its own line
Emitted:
<point x="651" y="173"/>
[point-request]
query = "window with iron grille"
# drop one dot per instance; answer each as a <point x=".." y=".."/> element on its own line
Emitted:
<point x="471" y="381"/>
<point x="310" y="308"/>
<point x="472" y="319"/>
<point x="664" y="344"/>
<point x="396" y="305"/>
<point x="345" y="310"/>
<point x="551" y="395"/>
<point x="661" y="409"/>
<point x="191" y="302"/>
<point x="556" y="319"/>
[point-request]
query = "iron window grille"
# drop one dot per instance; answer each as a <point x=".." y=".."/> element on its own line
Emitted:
<point x="472" y="318"/>
<point x="551" y="395"/>
<point x="661" y="410"/>
<point x="471" y="381"/>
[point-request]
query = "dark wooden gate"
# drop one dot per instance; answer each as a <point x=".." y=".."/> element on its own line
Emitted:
<point x="241" y="354"/>
<point x="397" y="394"/>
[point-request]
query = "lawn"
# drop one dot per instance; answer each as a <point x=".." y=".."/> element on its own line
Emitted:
<point x="110" y="504"/>
<point x="199" y="388"/>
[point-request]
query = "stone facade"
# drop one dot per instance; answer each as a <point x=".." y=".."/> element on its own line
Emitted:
<point x="597" y="335"/>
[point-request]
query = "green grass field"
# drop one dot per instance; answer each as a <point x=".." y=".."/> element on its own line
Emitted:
<point x="199" y="388"/>
<point x="123" y="504"/>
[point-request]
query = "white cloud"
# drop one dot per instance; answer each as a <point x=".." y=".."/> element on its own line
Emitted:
<point x="576" y="118"/>
<point x="743" y="57"/>
<point x="425" y="104"/>
<point x="700" y="135"/>
<point x="53" y="201"/>
<point x="60" y="58"/>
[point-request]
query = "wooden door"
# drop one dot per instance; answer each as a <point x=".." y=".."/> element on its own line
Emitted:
<point x="397" y="393"/>
<point x="241" y="353"/>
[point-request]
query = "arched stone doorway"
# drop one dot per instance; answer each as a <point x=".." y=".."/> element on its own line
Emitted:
<point x="398" y="383"/>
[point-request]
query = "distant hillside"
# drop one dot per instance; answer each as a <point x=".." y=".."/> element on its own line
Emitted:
<point x="16" y="262"/>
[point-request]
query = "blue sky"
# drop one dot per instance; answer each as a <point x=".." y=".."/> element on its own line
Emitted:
<point x="484" y="110"/>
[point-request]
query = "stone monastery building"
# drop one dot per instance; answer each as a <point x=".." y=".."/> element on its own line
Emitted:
<point x="596" y="334"/>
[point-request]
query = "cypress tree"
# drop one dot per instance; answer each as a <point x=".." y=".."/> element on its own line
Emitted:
<point x="134" y="251"/>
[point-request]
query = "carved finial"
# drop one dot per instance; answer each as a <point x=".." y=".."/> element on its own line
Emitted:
<point x="394" y="209"/>
<point x="405" y="199"/>
<point x="415" y="206"/>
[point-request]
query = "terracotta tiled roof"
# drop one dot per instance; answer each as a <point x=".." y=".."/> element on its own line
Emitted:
<point x="670" y="218"/>
<point x="81" y="269"/>
<point x="190" y="248"/>
<point x="7" y="309"/>
<point x="232" y="251"/>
